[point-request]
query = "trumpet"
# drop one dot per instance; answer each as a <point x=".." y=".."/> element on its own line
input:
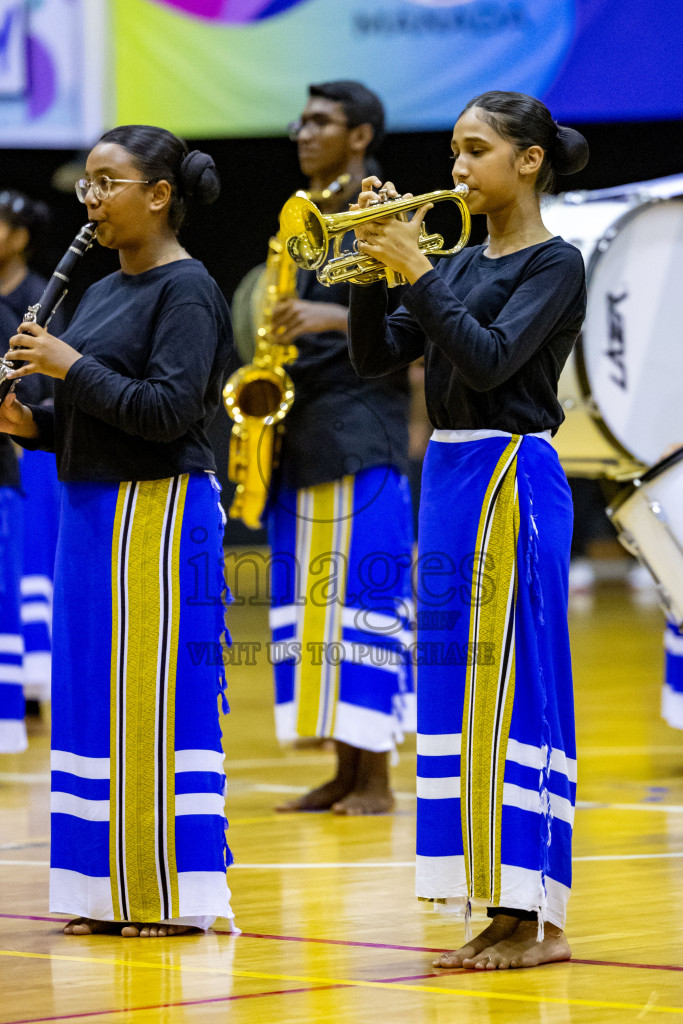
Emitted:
<point x="308" y="234"/>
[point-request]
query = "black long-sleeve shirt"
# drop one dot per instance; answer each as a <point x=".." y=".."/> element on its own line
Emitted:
<point x="339" y="424"/>
<point x="154" y="350"/>
<point x="495" y="334"/>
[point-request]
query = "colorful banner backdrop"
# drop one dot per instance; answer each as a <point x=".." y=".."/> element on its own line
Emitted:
<point x="211" y="68"/>
<point x="53" y="58"/>
<point x="240" y="67"/>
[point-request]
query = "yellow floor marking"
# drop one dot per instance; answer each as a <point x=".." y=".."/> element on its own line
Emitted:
<point x="351" y="983"/>
<point x="258" y="821"/>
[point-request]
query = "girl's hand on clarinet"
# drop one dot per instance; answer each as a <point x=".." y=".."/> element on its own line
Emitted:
<point x="41" y="352"/>
<point x="16" y="418"/>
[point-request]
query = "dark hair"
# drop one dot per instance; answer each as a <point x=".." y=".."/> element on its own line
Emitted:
<point x="19" y="211"/>
<point x="162" y="156"/>
<point x="360" y="105"/>
<point x="525" y="121"/>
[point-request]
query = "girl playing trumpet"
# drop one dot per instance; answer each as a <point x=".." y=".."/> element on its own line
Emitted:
<point x="495" y="324"/>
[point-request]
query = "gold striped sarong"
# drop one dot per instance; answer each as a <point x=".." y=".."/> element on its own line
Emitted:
<point x="145" y="609"/>
<point x="490" y="688"/>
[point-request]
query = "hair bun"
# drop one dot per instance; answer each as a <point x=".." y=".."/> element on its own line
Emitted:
<point x="570" y="152"/>
<point x="200" y="177"/>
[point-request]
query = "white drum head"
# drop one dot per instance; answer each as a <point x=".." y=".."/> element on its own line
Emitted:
<point x="583" y="221"/>
<point x="631" y="343"/>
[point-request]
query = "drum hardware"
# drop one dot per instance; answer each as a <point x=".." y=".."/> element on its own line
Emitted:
<point x="648" y="518"/>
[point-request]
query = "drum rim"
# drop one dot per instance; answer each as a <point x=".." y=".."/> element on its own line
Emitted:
<point x="632" y="486"/>
<point x="581" y="370"/>
<point x="661" y="466"/>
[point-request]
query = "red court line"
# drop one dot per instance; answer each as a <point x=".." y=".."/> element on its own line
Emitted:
<point x="615" y="963"/>
<point x="206" y="1002"/>
<point x="29" y="917"/>
<point x="432" y="949"/>
<point x="370" y="945"/>
<point x="335" y="942"/>
<point x="170" y="1006"/>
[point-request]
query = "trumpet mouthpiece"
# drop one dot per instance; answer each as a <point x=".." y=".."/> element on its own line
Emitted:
<point x="462" y="189"/>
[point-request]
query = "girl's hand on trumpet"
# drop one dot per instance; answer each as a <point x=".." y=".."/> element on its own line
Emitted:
<point x="368" y="197"/>
<point x="41" y="352"/>
<point x="392" y="241"/>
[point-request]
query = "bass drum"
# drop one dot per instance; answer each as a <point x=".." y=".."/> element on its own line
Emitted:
<point x="648" y="516"/>
<point x="622" y="386"/>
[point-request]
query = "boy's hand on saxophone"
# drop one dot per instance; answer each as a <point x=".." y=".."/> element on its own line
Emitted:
<point x="293" y="317"/>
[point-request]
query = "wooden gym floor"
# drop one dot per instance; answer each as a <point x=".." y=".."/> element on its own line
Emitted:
<point x="330" y="929"/>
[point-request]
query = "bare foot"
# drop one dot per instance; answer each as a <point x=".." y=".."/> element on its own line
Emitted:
<point x="522" y="949"/>
<point x="365" y="803"/>
<point x="320" y="799"/>
<point x="371" y="791"/>
<point x="325" y="796"/>
<point x="502" y="927"/>
<point x="157" y="931"/>
<point x="88" y="926"/>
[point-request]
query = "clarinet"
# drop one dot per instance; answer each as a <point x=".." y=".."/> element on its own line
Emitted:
<point x="42" y="312"/>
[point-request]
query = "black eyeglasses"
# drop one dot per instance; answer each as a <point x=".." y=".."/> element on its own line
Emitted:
<point x="316" y="123"/>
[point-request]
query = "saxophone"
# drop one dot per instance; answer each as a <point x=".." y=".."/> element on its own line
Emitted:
<point x="257" y="397"/>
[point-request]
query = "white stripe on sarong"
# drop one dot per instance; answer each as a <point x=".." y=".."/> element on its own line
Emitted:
<point x="76" y="764"/>
<point x="11" y="643"/>
<point x="199" y="761"/>
<point x="448" y="788"/>
<point x="200" y="803"/>
<point x="79" y="807"/>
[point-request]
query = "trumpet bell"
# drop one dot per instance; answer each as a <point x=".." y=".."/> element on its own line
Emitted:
<point x="306" y="231"/>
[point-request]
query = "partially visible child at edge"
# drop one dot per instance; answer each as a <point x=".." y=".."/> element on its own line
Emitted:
<point x="495" y="325"/>
<point x="138" y="375"/>
<point x="25" y="227"/>
<point x="13" y="738"/>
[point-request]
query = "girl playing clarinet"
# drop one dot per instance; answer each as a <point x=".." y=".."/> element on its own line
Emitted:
<point x="138" y="828"/>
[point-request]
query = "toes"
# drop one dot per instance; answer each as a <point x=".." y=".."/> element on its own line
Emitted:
<point x="78" y="926"/>
<point x="130" y="931"/>
<point x="448" y="960"/>
<point x="484" y="962"/>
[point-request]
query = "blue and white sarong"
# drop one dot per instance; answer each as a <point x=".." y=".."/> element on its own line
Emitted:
<point x="12" y="723"/>
<point x="672" y="690"/>
<point x="341" y="610"/>
<point x="496" y="762"/>
<point x="41" y="521"/>
<point x="138" y="787"/>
